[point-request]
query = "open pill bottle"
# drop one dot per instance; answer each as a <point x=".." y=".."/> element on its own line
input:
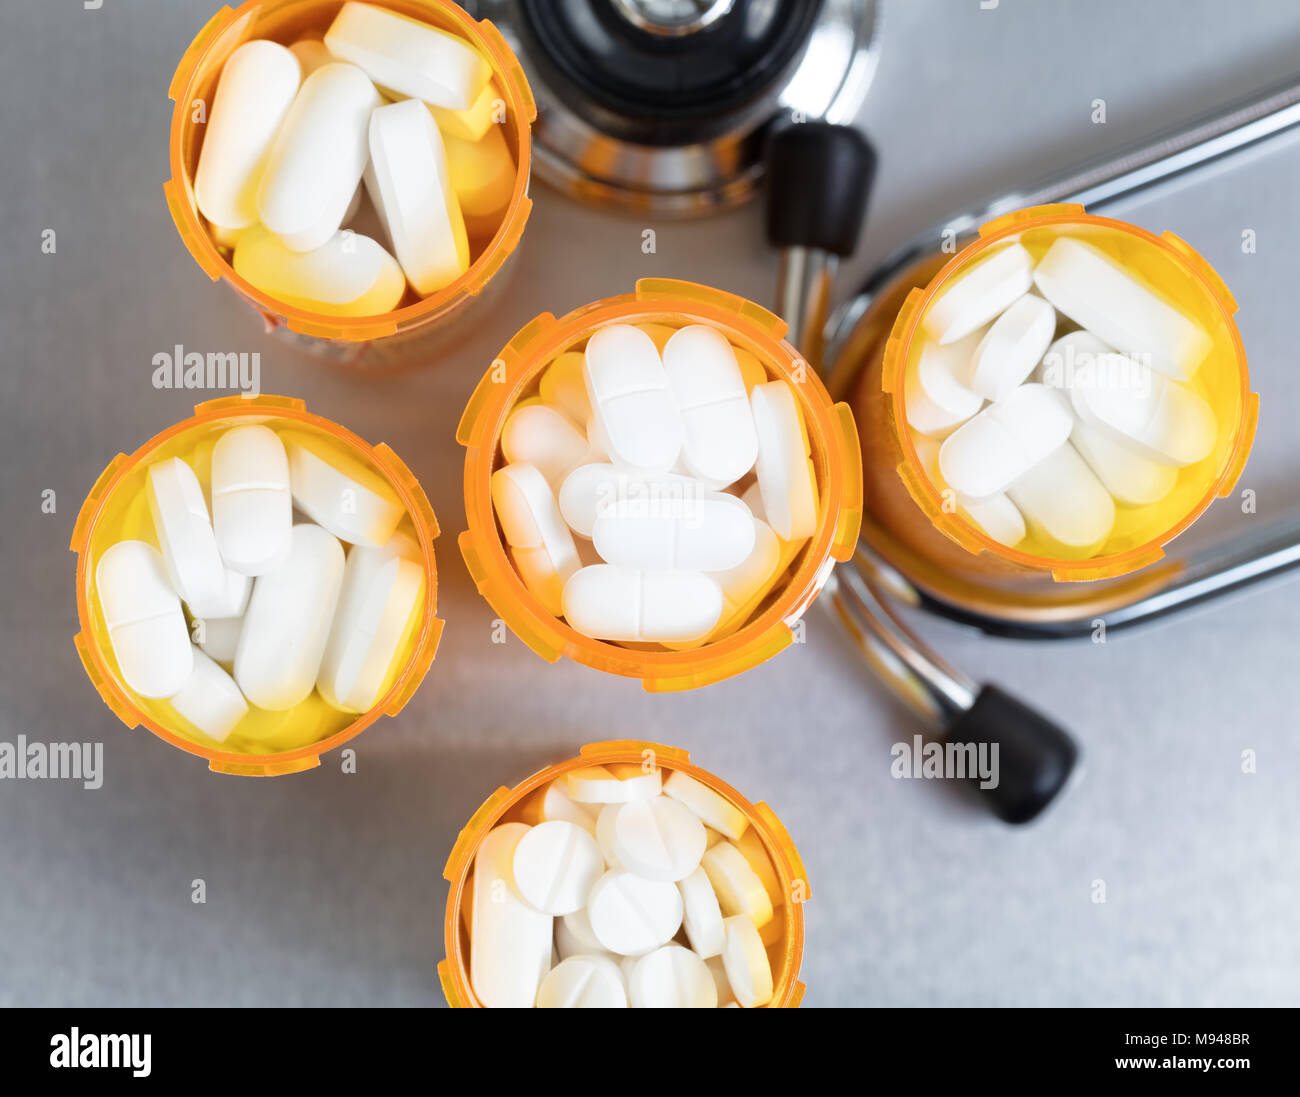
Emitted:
<point x="832" y="442"/>
<point x="264" y="743"/>
<point x="418" y="326"/>
<point x="785" y="941"/>
<point x="1164" y="266"/>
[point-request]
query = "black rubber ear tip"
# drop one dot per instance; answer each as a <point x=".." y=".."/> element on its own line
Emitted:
<point x="819" y="180"/>
<point x="1035" y="756"/>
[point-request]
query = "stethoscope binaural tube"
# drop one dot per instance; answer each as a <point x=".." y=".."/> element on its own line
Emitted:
<point x="819" y="183"/>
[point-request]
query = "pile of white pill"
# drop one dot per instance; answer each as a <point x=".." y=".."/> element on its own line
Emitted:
<point x="277" y="608"/>
<point x="294" y="131"/>
<point x="626" y="496"/>
<point x="1043" y="434"/>
<point x="623" y="887"/>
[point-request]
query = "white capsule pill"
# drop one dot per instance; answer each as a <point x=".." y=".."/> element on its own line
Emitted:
<point x="287" y="623"/>
<point x="719" y="444"/>
<point x="752" y="578"/>
<point x="689" y="531"/>
<point x="540" y="543"/>
<point x="562" y="387"/>
<point x="256" y="87"/>
<point x="311" y="54"/>
<point x="189" y="547"/>
<point x="996" y="515"/>
<point x="615" y="784"/>
<point x="701" y="914"/>
<point x="381" y="593"/>
<point x="541" y="436"/>
<point x="1096" y="292"/>
<point x="407" y="180"/>
<point x="658" y="839"/>
<point x="713" y="809"/>
<point x="252" y="507"/>
<point x="408" y="57"/>
<point x="631" y="915"/>
<point x="737" y="886"/>
<point x="146" y="627"/>
<point x="1161" y="419"/>
<point x="936" y="391"/>
<point x="318" y="157"/>
<point x="607" y="602"/>
<point x="1004" y="441"/>
<point x="348" y="275"/>
<point x="785" y="470"/>
<point x="219" y="636"/>
<point x="573" y="936"/>
<point x="980" y="294"/>
<point x="510" y="942"/>
<point x="1062" y="498"/>
<point x="634" y="409"/>
<point x="590" y="488"/>
<point x="671" y="977"/>
<point x="749" y="972"/>
<point x="553" y="802"/>
<point x="339" y="492"/>
<point x="583" y="982"/>
<point x="1012" y="347"/>
<point x="1131" y="477"/>
<point x="210" y="700"/>
<point x="555" y="866"/>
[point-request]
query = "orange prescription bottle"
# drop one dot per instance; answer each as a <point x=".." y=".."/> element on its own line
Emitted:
<point x="783" y="936"/>
<point x="418" y="327"/>
<point x="1173" y="270"/>
<point x="833" y="442"/>
<point x="264" y="744"/>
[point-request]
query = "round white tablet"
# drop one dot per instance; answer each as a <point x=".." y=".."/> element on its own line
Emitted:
<point x="701" y="914"/>
<point x="556" y="864"/>
<point x="745" y="961"/>
<point x="672" y="977"/>
<point x="631" y="915"/>
<point x="583" y="982"/>
<point x="659" y="839"/>
<point x="737" y="885"/>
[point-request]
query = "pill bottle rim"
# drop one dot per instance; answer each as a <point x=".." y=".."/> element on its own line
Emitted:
<point x="907" y="329"/>
<point x="830" y="429"/>
<point x="453" y="970"/>
<point x="522" y="112"/>
<point x="261" y="409"/>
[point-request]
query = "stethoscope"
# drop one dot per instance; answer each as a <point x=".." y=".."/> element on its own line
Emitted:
<point x="681" y="107"/>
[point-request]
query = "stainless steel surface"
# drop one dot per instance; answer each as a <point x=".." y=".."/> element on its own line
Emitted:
<point x="672" y="18"/>
<point x="828" y="80"/>
<point x="805" y="282"/>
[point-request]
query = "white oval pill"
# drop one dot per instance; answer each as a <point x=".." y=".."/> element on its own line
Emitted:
<point x="590" y="488"/>
<point x="785" y="470"/>
<point x="288" y="619"/>
<point x="1160" y="418"/>
<point x="583" y="982"/>
<point x="189" y="547"/>
<point x="1012" y="347"/>
<point x="318" y="157"/>
<point x="339" y="492"/>
<point x="146" y="627"/>
<point x="540" y="543"/>
<point x="1130" y="476"/>
<point x="1097" y="293"/>
<point x="510" y="942"/>
<point x="936" y="391"/>
<point x="257" y="85"/>
<point x="210" y="700"/>
<point x="1004" y="441"/>
<point x="541" y="436"/>
<point x="631" y="915"/>
<point x="996" y="515"/>
<point x="749" y="972"/>
<point x="719" y="442"/>
<point x="658" y="839"/>
<point x="408" y="57"/>
<point x="408" y="182"/>
<point x="607" y="602"/>
<point x="1062" y="497"/>
<point x="692" y="530"/>
<point x="712" y="808"/>
<point x="618" y="784"/>
<point x="348" y="275"/>
<point x="555" y="866"/>
<point x="980" y="294"/>
<point x="639" y="424"/>
<point x="737" y="886"/>
<point x="701" y="914"/>
<point x="672" y="977"/>
<point x="252" y="508"/>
